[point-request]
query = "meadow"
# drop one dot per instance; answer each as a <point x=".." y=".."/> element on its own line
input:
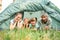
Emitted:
<point x="28" y="34"/>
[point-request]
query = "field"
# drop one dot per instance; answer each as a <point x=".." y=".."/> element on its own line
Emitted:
<point x="27" y="34"/>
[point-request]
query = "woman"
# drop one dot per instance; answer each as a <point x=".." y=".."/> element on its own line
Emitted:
<point x="16" y="22"/>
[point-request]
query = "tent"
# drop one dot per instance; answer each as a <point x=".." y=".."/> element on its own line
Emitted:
<point x="30" y="6"/>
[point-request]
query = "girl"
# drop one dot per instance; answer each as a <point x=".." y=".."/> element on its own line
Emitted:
<point x="33" y="24"/>
<point x="26" y="23"/>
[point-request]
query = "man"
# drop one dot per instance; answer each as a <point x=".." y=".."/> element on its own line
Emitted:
<point x="45" y="22"/>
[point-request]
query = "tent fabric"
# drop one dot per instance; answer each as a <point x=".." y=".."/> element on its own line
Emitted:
<point x="30" y="6"/>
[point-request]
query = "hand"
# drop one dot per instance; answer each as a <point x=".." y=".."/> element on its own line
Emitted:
<point x="12" y="26"/>
<point x="15" y="20"/>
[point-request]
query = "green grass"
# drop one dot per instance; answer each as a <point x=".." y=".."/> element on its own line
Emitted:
<point x="27" y="34"/>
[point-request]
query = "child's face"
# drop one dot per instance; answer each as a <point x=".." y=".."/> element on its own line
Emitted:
<point x="26" y="20"/>
<point x="33" y="22"/>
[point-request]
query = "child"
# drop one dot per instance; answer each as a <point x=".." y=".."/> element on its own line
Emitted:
<point x="16" y="22"/>
<point x="26" y="23"/>
<point x="33" y="24"/>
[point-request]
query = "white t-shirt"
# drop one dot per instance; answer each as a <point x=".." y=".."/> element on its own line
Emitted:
<point x="12" y="21"/>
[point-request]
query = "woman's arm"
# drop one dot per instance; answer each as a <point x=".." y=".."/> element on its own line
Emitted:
<point x="12" y="26"/>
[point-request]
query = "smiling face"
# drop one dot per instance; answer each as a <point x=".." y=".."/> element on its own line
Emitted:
<point x="18" y="17"/>
<point x="44" y="18"/>
<point x="26" y="20"/>
<point x="33" y="21"/>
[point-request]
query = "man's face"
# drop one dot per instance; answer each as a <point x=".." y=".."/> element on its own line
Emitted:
<point x="19" y="17"/>
<point x="44" y="18"/>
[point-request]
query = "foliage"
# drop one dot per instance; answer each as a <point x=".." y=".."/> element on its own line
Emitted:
<point x="28" y="34"/>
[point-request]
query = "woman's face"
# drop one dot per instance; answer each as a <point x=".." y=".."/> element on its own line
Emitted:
<point x="18" y="17"/>
<point x="44" y="18"/>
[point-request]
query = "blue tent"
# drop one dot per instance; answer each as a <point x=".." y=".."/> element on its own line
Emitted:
<point x="30" y="6"/>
